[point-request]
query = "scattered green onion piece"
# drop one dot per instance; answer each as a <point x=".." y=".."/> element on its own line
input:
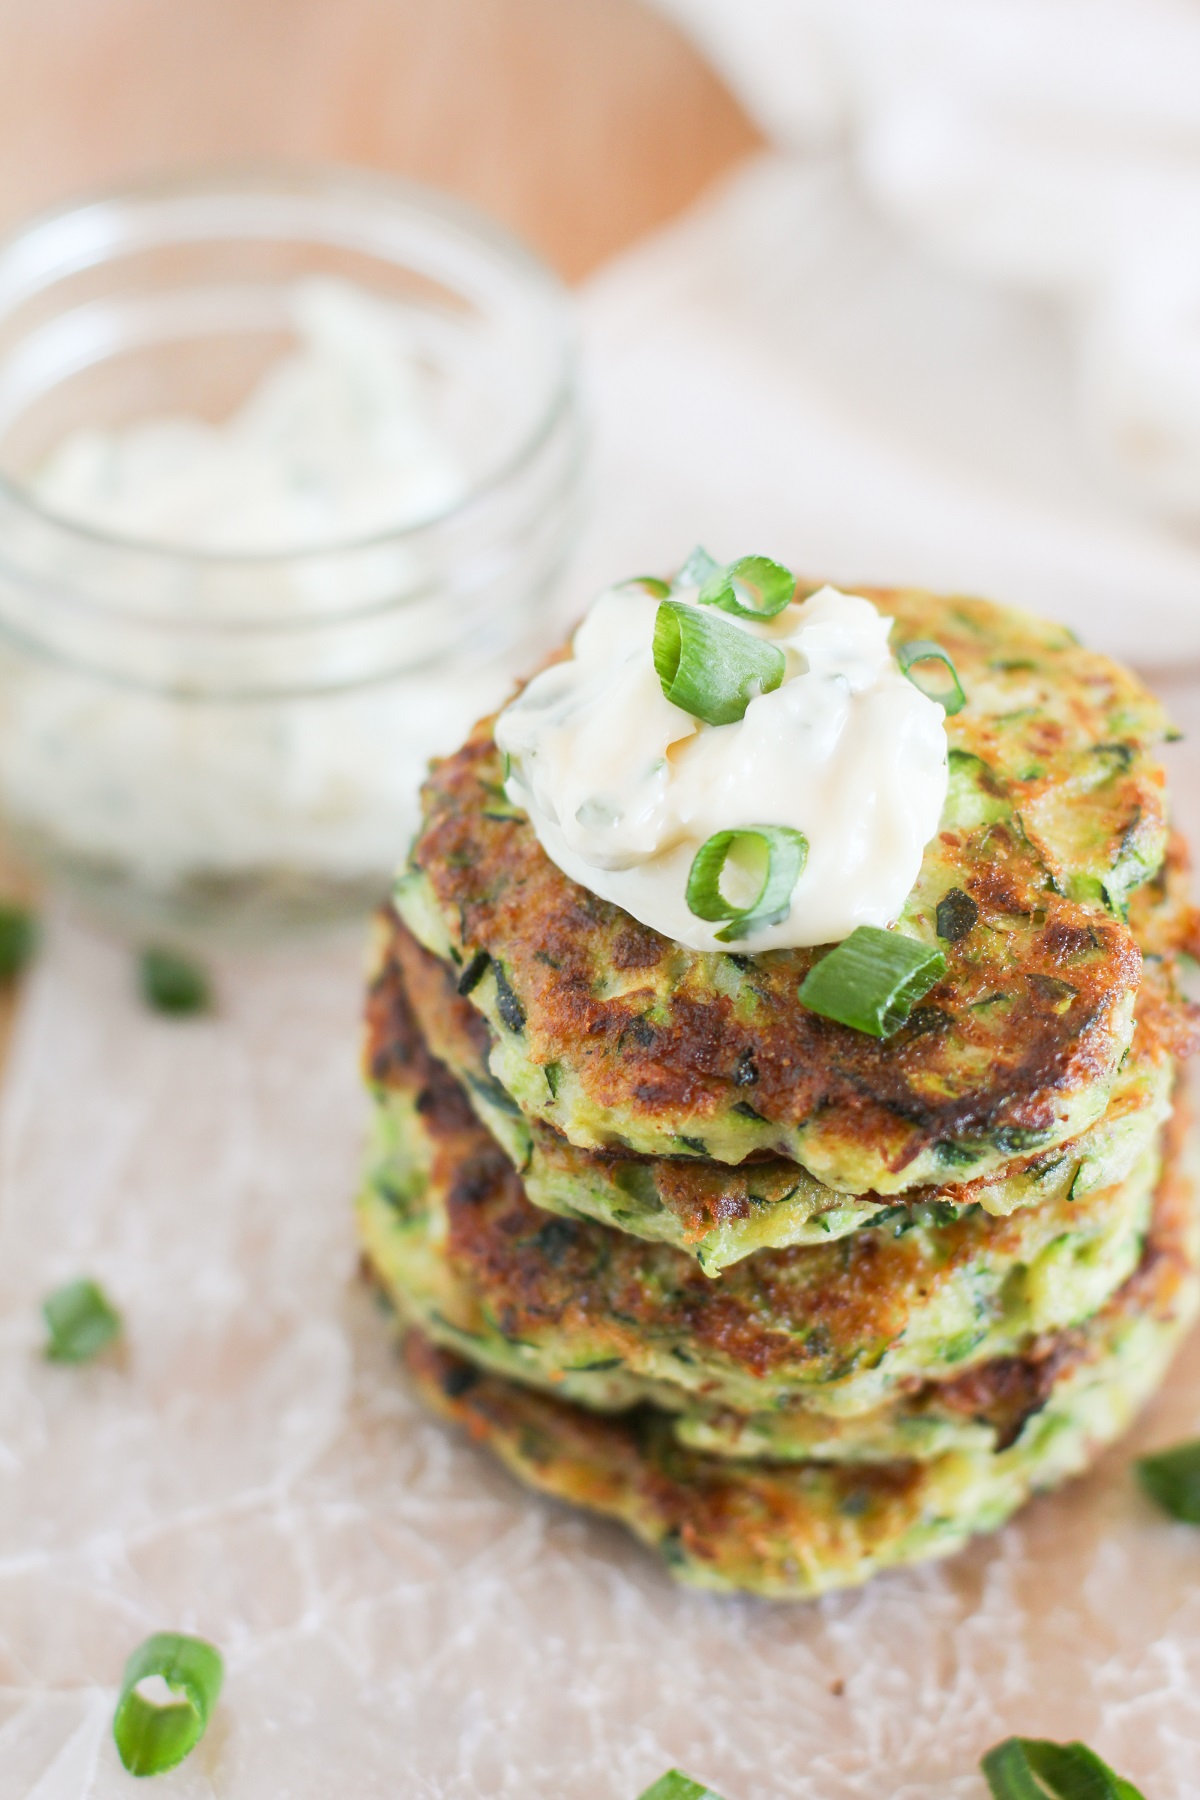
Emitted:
<point x="172" y="983"/>
<point x="1172" y="1478"/>
<point x="956" y="914"/>
<point x="152" y="1738"/>
<point x="711" y="669"/>
<point x="754" y="587"/>
<point x="782" y="854"/>
<point x="697" y="569"/>
<point x="81" y="1321"/>
<point x="18" y="939"/>
<point x="675" y="1785"/>
<point x="653" y="584"/>
<point x="1037" y="1769"/>
<point x="923" y="650"/>
<point x="872" y="980"/>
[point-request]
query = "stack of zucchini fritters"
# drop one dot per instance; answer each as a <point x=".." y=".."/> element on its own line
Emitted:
<point x="793" y="1302"/>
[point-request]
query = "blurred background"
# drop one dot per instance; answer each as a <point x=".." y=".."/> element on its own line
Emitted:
<point x="298" y="470"/>
<point x="578" y="123"/>
<point x="282" y="789"/>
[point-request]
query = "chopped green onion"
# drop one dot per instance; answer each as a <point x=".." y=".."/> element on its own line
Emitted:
<point x="1172" y="1477"/>
<point x="474" y="973"/>
<point x="957" y="914"/>
<point x="754" y="587"/>
<point x="508" y="1006"/>
<point x="697" y="569"/>
<point x="653" y="584"/>
<point x="949" y="696"/>
<point x="18" y="939"/>
<point x="675" y="1785"/>
<point x="172" y="983"/>
<point x="711" y="669"/>
<point x="872" y="980"/>
<point x="80" y="1320"/>
<point x="153" y="1737"/>
<point x="1037" y="1769"/>
<point x="773" y="856"/>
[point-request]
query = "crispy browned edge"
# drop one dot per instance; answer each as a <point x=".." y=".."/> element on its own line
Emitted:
<point x="533" y="1271"/>
<point x="899" y="1096"/>
<point x="702" y="1195"/>
<point x="737" y="1514"/>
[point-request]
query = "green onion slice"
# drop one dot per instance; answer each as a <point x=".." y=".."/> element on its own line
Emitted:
<point x="172" y="983"/>
<point x="1172" y="1477"/>
<point x="950" y="694"/>
<point x="675" y="1785"/>
<point x="754" y="587"/>
<point x="957" y="914"/>
<point x="18" y="940"/>
<point x="711" y="669"/>
<point x="80" y="1321"/>
<point x="872" y="980"/>
<point x="152" y="1738"/>
<point x="773" y="856"/>
<point x="697" y="569"/>
<point x="1037" y="1769"/>
<point x="653" y="584"/>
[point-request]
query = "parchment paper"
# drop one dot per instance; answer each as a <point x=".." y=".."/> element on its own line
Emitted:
<point x="398" y="1618"/>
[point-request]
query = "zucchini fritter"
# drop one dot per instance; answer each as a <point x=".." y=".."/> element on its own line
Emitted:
<point x="720" y="1214"/>
<point x="841" y="1327"/>
<point x="789" y="1531"/>
<point x="620" y="1039"/>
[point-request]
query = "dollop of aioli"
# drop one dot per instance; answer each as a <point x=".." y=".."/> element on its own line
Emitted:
<point x="622" y="787"/>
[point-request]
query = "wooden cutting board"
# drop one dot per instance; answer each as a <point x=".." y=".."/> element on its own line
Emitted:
<point x="581" y="123"/>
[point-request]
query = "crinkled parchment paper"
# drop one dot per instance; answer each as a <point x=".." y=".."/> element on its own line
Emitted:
<point x="398" y="1618"/>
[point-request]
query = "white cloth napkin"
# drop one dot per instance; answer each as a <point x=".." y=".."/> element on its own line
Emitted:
<point x="781" y="372"/>
<point x="1051" y="144"/>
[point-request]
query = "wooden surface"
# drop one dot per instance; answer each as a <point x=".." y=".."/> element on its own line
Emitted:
<point x="581" y="123"/>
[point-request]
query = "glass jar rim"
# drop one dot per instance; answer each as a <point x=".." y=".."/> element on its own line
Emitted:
<point x="245" y="177"/>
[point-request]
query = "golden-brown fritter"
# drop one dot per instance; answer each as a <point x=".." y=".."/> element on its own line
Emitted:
<point x="841" y="1327"/>
<point x="721" y="1213"/>
<point x="619" y="1038"/>
<point x="793" y="1530"/>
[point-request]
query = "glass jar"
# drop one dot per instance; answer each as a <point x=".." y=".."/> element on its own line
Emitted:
<point x="195" y="741"/>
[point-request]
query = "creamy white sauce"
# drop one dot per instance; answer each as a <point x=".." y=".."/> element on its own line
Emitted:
<point x="337" y="441"/>
<point x="623" y="787"/>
